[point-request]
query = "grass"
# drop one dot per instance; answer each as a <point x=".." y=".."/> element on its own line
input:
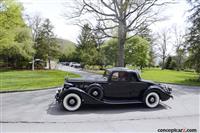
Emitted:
<point x="171" y="76"/>
<point x="32" y="80"/>
<point x="41" y="79"/>
<point x="166" y="76"/>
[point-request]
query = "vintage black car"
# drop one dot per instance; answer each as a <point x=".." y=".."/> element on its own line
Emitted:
<point x="117" y="86"/>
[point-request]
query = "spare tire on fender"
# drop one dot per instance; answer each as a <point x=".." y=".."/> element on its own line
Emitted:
<point x="95" y="90"/>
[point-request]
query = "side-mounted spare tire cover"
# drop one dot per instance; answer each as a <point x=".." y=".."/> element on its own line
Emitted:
<point x="95" y="90"/>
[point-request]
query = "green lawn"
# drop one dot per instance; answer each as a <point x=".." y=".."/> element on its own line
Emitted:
<point x="166" y="76"/>
<point x="171" y="76"/>
<point x="40" y="79"/>
<point x="31" y="80"/>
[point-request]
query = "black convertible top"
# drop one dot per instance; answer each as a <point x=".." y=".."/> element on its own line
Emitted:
<point x="122" y="69"/>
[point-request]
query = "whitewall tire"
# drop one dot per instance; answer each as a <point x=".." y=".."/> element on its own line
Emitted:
<point x="71" y="102"/>
<point x="152" y="100"/>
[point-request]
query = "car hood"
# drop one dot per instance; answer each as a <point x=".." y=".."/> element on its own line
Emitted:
<point x="80" y="80"/>
<point x="149" y="82"/>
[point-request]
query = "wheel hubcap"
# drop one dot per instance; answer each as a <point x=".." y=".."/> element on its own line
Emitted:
<point x="152" y="99"/>
<point x="72" y="101"/>
<point x="95" y="93"/>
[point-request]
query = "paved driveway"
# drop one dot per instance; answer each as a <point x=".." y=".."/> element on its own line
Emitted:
<point x="38" y="111"/>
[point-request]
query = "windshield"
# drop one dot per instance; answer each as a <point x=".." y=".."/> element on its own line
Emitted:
<point x="106" y="73"/>
<point x="139" y="77"/>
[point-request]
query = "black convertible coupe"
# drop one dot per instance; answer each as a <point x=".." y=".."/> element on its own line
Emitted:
<point x="117" y="86"/>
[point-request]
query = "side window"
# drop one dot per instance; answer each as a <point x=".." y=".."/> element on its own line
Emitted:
<point x="115" y="76"/>
<point x="133" y="77"/>
<point x="119" y="76"/>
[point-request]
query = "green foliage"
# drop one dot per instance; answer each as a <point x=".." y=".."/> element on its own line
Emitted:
<point x="86" y="39"/>
<point x="146" y="34"/>
<point x="86" y="50"/>
<point x="109" y="52"/>
<point x="66" y="49"/>
<point x="15" y="37"/>
<point x="168" y="62"/>
<point x="137" y="51"/>
<point x="180" y="58"/>
<point x="173" y="65"/>
<point x="16" y="47"/>
<point x="11" y="14"/>
<point x="47" y="47"/>
<point x="193" y="38"/>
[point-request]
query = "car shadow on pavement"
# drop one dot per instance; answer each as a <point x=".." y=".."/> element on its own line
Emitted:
<point x="55" y="109"/>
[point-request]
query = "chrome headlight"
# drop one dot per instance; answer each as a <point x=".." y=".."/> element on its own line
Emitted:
<point x="165" y="87"/>
<point x="58" y="90"/>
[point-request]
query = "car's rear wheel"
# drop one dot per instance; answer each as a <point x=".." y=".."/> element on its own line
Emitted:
<point x="71" y="102"/>
<point x="152" y="100"/>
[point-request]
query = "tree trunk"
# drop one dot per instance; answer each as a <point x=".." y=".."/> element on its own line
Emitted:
<point x="121" y="43"/>
<point x="49" y="63"/>
<point x="33" y="64"/>
<point x="163" y="63"/>
<point x="141" y="67"/>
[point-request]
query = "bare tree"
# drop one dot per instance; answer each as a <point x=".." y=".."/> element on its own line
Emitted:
<point x="125" y="16"/>
<point x="179" y="46"/>
<point x="163" y="40"/>
<point x="34" y="23"/>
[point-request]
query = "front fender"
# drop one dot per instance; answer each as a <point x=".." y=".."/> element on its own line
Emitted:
<point x="161" y="92"/>
<point x="70" y="90"/>
<point x="86" y="98"/>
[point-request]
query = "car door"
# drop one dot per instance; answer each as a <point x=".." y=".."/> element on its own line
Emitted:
<point x="136" y="86"/>
<point x="118" y="86"/>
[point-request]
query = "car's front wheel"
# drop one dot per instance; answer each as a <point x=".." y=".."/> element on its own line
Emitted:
<point x="152" y="100"/>
<point x="72" y="102"/>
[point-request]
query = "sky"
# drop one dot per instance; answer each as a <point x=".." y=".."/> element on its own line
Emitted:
<point x="54" y="10"/>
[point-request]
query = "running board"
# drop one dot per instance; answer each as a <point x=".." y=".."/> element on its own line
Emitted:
<point x="121" y="101"/>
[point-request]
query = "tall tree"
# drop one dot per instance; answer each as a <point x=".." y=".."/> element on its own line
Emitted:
<point x="179" y="47"/>
<point x="87" y="48"/>
<point x="86" y="39"/>
<point x="35" y="24"/>
<point x="124" y="15"/>
<point x="110" y="52"/>
<point x="145" y="32"/>
<point x="162" y="46"/>
<point x="15" y="37"/>
<point x="47" y="47"/>
<point x="193" y="37"/>
<point x="136" y="51"/>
